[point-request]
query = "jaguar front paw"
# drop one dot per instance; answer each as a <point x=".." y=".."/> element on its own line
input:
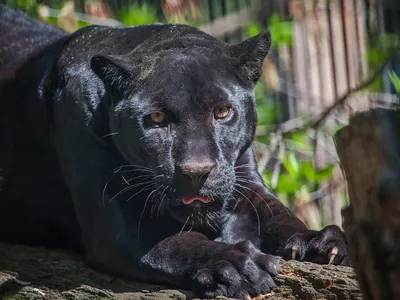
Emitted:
<point x="239" y="272"/>
<point x="327" y="246"/>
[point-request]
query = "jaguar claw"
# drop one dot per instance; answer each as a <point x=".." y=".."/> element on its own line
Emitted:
<point x="247" y="297"/>
<point x="294" y="252"/>
<point x="332" y="254"/>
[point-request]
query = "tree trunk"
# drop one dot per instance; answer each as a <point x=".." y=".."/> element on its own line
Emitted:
<point x="369" y="151"/>
<point x="37" y="273"/>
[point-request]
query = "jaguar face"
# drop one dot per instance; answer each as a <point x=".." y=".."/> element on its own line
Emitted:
<point x="188" y="116"/>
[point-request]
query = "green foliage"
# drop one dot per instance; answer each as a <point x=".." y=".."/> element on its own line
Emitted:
<point x="298" y="175"/>
<point x="136" y="14"/>
<point x="27" y="4"/>
<point x="379" y="49"/>
<point x="281" y="31"/>
<point x="297" y="178"/>
<point x="395" y="80"/>
<point x="54" y="21"/>
<point x="301" y="140"/>
<point x="266" y="113"/>
<point x="346" y="200"/>
<point x="266" y="109"/>
<point x="30" y="7"/>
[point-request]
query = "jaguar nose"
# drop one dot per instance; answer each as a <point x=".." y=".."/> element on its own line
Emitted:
<point x="198" y="172"/>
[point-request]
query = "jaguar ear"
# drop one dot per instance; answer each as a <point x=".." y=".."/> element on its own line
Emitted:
<point x="116" y="79"/>
<point x="250" y="55"/>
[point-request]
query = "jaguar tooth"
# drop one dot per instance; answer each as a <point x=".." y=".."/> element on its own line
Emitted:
<point x="332" y="254"/>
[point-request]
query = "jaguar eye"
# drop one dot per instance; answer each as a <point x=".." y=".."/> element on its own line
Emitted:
<point x="221" y="112"/>
<point x="157" y="117"/>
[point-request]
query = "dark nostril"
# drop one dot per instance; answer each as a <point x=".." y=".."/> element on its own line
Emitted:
<point x="198" y="172"/>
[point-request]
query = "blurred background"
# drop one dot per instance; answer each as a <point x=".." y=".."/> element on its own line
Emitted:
<point x="324" y="52"/>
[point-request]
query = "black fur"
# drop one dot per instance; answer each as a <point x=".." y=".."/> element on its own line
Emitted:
<point x="85" y="168"/>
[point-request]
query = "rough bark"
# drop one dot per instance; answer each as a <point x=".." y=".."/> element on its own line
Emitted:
<point x="369" y="151"/>
<point x="51" y="274"/>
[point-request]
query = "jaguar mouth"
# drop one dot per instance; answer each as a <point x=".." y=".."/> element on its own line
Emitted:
<point x="189" y="200"/>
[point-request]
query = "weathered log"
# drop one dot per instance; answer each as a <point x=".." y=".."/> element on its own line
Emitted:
<point x="369" y="152"/>
<point x="54" y="275"/>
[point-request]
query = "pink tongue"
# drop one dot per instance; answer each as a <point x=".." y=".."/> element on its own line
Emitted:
<point x="189" y="200"/>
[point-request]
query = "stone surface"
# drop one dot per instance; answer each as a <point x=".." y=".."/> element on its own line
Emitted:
<point x="38" y="274"/>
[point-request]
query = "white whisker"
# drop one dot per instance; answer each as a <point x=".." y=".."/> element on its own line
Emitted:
<point x="109" y="134"/>
<point x="130" y="187"/>
<point x="162" y="199"/>
<point x="143" y="211"/>
<point x="123" y="177"/>
<point x="184" y="225"/>
<point x="262" y="198"/>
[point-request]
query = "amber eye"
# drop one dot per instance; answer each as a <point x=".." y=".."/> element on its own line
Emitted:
<point x="221" y="112"/>
<point x="157" y="117"/>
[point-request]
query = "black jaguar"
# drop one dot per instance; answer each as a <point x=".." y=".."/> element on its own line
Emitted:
<point x="132" y="146"/>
